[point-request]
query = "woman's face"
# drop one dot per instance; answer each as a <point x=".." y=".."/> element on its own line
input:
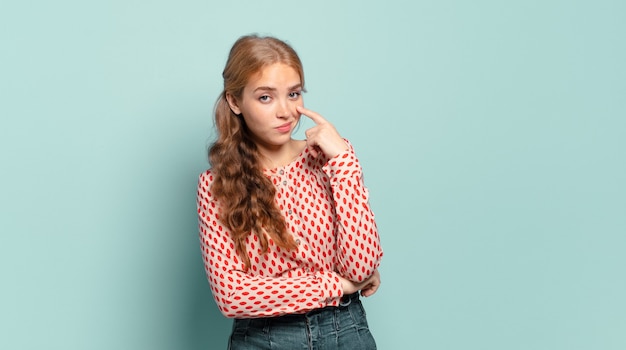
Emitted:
<point x="268" y="105"/>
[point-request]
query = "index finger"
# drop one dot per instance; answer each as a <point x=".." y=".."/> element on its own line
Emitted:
<point x="316" y="117"/>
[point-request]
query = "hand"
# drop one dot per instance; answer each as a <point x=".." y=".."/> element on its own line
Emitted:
<point x="323" y="136"/>
<point x="371" y="288"/>
<point x="367" y="287"/>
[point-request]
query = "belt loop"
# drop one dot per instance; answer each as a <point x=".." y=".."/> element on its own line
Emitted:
<point x="336" y="318"/>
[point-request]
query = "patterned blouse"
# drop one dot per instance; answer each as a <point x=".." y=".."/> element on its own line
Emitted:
<point x="325" y="204"/>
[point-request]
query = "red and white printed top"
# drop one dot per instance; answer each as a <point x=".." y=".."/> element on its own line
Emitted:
<point x="325" y="204"/>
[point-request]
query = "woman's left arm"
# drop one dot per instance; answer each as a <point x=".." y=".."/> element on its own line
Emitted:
<point x="358" y="245"/>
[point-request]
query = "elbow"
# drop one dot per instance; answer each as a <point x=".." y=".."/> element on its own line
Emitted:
<point x="358" y="270"/>
<point x="225" y="312"/>
<point x="226" y="308"/>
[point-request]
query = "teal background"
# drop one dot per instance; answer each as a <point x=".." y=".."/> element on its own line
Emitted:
<point x="492" y="134"/>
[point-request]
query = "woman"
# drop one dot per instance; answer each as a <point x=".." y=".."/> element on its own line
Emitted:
<point x="287" y="235"/>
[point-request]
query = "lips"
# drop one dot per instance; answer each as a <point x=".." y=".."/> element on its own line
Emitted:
<point x="284" y="128"/>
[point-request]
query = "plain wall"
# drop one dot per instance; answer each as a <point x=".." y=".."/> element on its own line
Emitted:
<point x="492" y="134"/>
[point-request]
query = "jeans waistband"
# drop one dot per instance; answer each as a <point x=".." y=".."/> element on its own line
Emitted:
<point x="347" y="299"/>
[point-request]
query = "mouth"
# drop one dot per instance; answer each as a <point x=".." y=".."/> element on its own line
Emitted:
<point x="284" y="128"/>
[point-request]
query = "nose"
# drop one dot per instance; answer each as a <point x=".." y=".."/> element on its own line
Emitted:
<point x="283" y="109"/>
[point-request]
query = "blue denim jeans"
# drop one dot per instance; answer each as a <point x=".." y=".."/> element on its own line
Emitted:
<point x="332" y="328"/>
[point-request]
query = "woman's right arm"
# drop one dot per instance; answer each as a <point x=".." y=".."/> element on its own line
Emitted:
<point x="239" y="294"/>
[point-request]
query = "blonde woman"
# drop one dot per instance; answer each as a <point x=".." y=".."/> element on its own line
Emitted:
<point x="288" y="238"/>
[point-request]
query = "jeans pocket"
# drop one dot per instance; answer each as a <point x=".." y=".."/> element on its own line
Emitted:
<point x="354" y="331"/>
<point x="358" y="314"/>
<point x="240" y="327"/>
<point x="238" y="334"/>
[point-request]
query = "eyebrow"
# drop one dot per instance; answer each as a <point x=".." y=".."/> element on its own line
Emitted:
<point x="268" y="88"/>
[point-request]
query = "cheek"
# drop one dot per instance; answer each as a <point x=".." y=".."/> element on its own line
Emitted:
<point x="254" y="115"/>
<point x="250" y="120"/>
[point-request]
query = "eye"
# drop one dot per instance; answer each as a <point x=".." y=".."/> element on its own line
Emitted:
<point x="295" y="95"/>
<point x="264" y="98"/>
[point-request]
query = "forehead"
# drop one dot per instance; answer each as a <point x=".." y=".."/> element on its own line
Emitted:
<point x="276" y="75"/>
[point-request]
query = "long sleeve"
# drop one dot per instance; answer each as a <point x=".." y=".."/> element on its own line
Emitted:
<point x="358" y="244"/>
<point x="279" y="282"/>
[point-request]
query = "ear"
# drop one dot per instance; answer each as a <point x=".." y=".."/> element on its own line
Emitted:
<point x="232" y="102"/>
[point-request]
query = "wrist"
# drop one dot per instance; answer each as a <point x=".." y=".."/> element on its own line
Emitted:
<point x="338" y="148"/>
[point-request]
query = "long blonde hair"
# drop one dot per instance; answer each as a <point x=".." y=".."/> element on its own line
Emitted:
<point x="244" y="193"/>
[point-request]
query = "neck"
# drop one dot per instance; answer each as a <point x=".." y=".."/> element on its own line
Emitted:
<point x="280" y="156"/>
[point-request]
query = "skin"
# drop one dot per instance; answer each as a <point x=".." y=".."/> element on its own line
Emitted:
<point x="271" y="105"/>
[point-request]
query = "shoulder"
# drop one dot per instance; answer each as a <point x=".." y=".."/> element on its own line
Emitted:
<point x="206" y="176"/>
<point x="205" y="179"/>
